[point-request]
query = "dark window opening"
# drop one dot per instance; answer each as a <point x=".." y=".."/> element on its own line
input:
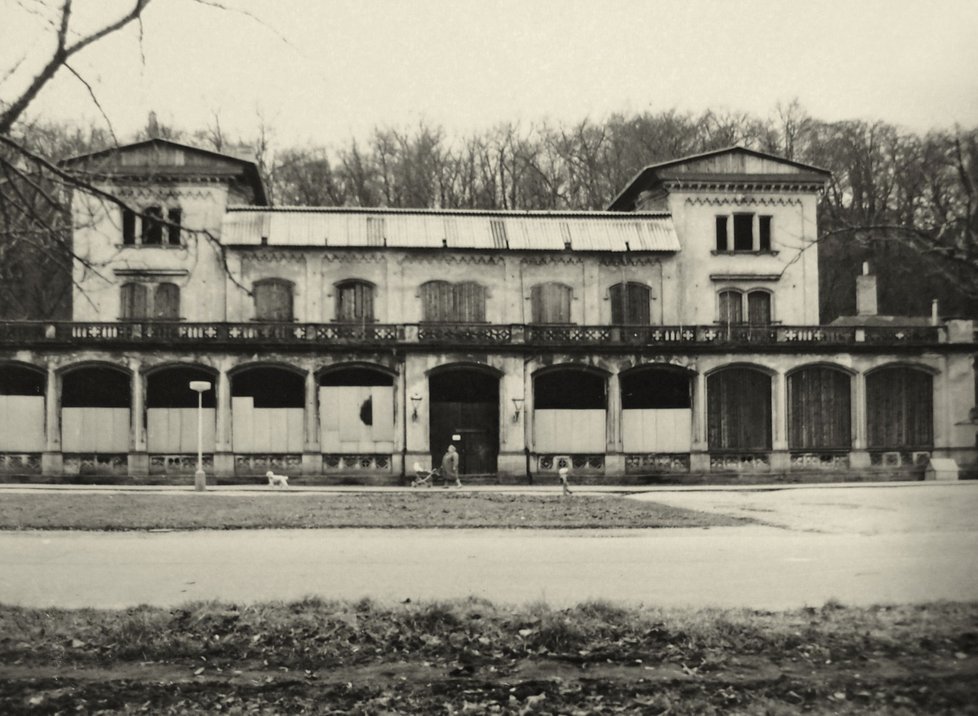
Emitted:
<point x="765" y="233"/>
<point x="270" y="387"/>
<point x="128" y="226"/>
<point x="170" y="388"/>
<point x="463" y="386"/>
<point x="96" y="388"/>
<point x="152" y="226"/>
<point x="722" y="233"/>
<point x="273" y="300"/>
<point x="550" y="303"/>
<point x="655" y="389"/>
<point x="367" y="412"/>
<point x="174" y="217"/>
<point x="570" y="390"/>
<point x="355" y="301"/>
<point x="743" y="232"/>
<point x="356" y="376"/>
<point x="630" y="304"/>
<point x="17" y="380"/>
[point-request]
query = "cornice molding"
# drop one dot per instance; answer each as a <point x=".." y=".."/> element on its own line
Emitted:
<point x="559" y="259"/>
<point x="269" y="257"/>
<point x="742" y="200"/>
<point x="359" y="258"/>
<point x="453" y="259"/>
<point x="627" y="260"/>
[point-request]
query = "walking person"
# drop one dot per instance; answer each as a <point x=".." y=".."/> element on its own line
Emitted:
<point x="449" y="466"/>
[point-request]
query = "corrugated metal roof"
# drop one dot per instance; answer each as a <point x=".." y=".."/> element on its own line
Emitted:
<point x="526" y="231"/>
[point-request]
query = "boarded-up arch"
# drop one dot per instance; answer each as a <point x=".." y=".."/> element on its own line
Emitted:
<point x="657" y="411"/>
<point x="739" y="409"/>
<point x="171" y="410"/>
<point x="570" y="410"/>
<point x="356" y="410"/>
<point x="95" y="409"/>
<point x="267" y="409"/>
<point x="900" y="409"/>
<point x="21" y="408"/>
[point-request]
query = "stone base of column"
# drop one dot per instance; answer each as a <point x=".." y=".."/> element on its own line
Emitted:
<point x="614" y="466"/>
<point x="780" y="461"/>
<point x="859" y="459"/>
<point x="138" y="464"/>
<point x="52" y="464"/>
<point x="699" y="462"/>
<point x="312" y="463"/>
<point x="511" y="467"/>
<point x="224" y="464"/>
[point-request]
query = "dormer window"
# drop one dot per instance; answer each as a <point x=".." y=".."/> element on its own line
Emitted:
<point x="743" y="233"/>
<point x="152" y="226"/>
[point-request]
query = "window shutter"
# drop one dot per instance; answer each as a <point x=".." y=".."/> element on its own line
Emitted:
<point x="470" y="303"/>
<point x="759" y="308"/>
<point x="273" y="301"/>
<point x="550" y="303"/>
<point x="630" y="304"/>
<point x="355" y="302"/>
<point x="133" y="301"/>
<point x="166" y="302"/>
<point x="731" y="307"/>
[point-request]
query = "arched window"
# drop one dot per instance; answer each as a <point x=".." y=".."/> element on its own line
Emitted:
<point x="133" y="301"/>
<point x="166" y="302"/>
<point x="550" y="303"/>
<point x="273" y="300"/>
<point x="731" y="307"/>
<point x="759" y="308"/>
<point x="442" y="301"/>
<point x="355" y="301"/>
<point x="630" y="304"/>
<point x="739" y="409"/>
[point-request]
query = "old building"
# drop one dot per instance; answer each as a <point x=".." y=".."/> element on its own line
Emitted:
<point x="673" y="336"/>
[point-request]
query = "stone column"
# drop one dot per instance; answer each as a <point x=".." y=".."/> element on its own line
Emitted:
<point x="138" y="456"/>
<point x="755" y="230"/>
<point x="858" y="456"/>
<point x="614" y="461"/>
<point x="699" y="459"/>
<point x="312" y="458"/>
<point x="780" y="458"/>
<point x="52" y="460"/>
<point x="223" y="456"/>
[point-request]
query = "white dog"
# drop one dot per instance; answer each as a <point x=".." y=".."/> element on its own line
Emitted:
<point x="277" y="480"/>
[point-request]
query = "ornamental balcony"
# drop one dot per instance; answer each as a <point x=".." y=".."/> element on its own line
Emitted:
<point x="285" y="335"/>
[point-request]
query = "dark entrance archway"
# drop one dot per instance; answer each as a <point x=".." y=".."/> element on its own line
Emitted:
<point x="465" y="412"/>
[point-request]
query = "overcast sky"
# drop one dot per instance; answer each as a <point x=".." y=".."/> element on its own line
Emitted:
<point x="322" y="71"/>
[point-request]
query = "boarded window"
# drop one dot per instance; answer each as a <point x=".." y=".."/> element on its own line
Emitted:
<point x="166" y="302"/>
<point x="442" y="301"/>
<point x="133" y="301"/>
<point x="900" y="409"/>
<point x="739" y="410"/>
<point x="128" y="226"/>
<point x="731" y="307"/>
<point x="722" y="233"/>
<point x="743" y="232"/>
<point x="569" y="390"/>
<point x="630" y="304"/>
<point x="819" y="409"/>
<point x="152" y="226"/>
<point x="355" y="301"/>
<point x="550" y="303"/>
<point x="759" y="308"/>
<point x="273" y="300"/>
<point x="765" y="233"/>
<point x="174" y="216"/>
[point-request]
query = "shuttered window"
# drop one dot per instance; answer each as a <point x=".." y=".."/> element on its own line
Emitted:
<point x="900" y="409"/>
<point x="166" y="302"/>
<point x="759" y="308"/>
<point x="442" y="301"/>
<point x="355" y="301"/>
<point x="731" y="307"/>
<point x="819" y="409"/>
<point x="133" y="301"/>
<point x="739" y="409"/>
<point x="551" y="303"/>
<point x="630" y="304"/>
<point x="273" y="300"/>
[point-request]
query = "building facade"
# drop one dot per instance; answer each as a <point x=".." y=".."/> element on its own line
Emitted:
<point x="674" y="336"/>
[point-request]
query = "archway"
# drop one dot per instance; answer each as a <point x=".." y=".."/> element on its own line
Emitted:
<point x="739" y="410"/>
<point x="95" y="403"/>
<point x="656" y="406"/>
<point x="267" y="409"/>
<point x="356" y="411"/>
<point x="171" y="411"/>
<point x="465" y="413"/>
<point x="570" y="407"/>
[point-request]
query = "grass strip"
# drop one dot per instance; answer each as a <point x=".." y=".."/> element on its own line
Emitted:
<point x="296" y="510"/>
<point x="474" y="657"/>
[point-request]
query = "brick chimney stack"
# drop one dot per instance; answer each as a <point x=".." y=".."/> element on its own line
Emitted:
<point x="866" y="293"/>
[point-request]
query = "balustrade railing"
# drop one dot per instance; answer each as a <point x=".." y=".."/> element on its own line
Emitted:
<point x="157" y="333"/>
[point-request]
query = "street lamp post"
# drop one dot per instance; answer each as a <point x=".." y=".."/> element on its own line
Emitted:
<point x="200" y="479"/>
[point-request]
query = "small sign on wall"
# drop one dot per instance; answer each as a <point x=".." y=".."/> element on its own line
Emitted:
<point x="456" y="437"/>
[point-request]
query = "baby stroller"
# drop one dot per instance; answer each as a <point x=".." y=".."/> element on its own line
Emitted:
<point x="424" y="475"/>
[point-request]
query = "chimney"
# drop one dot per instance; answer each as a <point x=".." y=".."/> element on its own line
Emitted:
<point x="866" y="293"/>
<point x="935" y="313"/>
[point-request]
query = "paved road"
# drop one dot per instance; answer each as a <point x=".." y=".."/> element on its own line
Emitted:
<point x="920" y="544"/>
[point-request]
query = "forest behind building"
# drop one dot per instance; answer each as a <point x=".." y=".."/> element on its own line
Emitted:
<point x="905" y="202"/>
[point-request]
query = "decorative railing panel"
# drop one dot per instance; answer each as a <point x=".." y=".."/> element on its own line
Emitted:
<point x="22" y="334"/>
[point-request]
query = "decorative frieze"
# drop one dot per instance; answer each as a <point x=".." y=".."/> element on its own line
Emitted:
<point x="357" y="463"/>
<point x="441" y="259"/>
<point x="96" y="464"/>
<point x="178" y="464"/>
<point x="273" y="257"/>
<point x="741" y="199"/>
<point x="259" y="464"/>
<point x="656" y="462"/>
<point x="819" y="461"/>
<point x="740" y="462"/>
<point x="585" y="463"/>
<point x="20" y="463"/>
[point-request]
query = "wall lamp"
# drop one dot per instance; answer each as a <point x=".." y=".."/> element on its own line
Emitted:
<point x="517" y="409"/>
<point x="415" y="404"/>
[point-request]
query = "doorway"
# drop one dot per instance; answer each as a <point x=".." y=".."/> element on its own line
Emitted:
<point x="465" y="413"/>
